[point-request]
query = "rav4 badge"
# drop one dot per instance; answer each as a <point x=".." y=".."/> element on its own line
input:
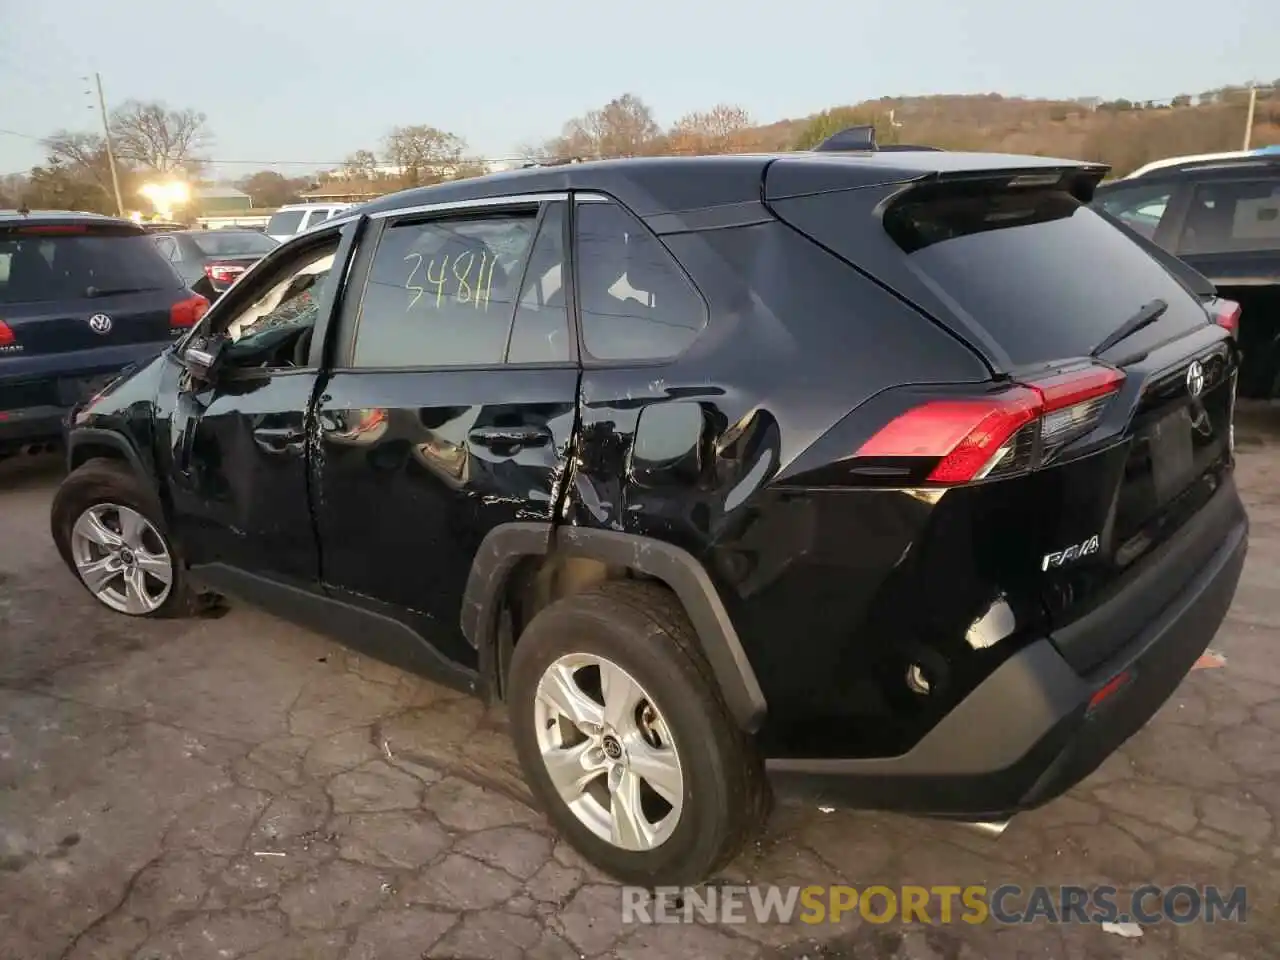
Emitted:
<point x="1077" y="551"/>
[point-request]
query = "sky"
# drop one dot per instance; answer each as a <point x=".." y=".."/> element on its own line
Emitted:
<point x="303" y="84"/>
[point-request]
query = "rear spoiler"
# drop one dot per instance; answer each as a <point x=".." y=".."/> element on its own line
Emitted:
<point x="862" y="139"/>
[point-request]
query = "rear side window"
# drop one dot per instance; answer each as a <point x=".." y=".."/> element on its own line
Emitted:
<point x="46" y="267"/>
<point x="1233" y="217"/>
<point x="285" y="222"/>
<point x="1142" y="208"/>
<point x="1045" y="276"/>
<point x="635" y="301"/>
<point x="443" y="292"/>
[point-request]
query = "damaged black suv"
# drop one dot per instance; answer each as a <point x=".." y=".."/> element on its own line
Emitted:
<point x="901" y="478"/>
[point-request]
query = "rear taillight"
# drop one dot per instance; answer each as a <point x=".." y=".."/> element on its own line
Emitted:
<point x="1226" y="314"/>
<point x="7" y="338"/>
<point x="187" y="313"/>
<point x="1001" y="434"/>
<point x="223" y="272"/>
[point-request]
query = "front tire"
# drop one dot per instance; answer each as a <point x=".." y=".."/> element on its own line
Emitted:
<point x="111" y="533"/>
<point x="625" y="740"/>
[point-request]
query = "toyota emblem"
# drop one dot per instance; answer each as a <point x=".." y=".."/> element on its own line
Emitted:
<point x="1195" y="378"/>
<point x="100" y="323"/>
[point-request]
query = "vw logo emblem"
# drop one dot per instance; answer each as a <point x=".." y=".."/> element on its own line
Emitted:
<point x="1195" y="378"/>
<point x="100" y="323"/>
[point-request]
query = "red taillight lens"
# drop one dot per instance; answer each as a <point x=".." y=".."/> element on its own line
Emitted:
<point x="223" y="272"/>
<point x="6" y="335"/>
<point x="187" y="313"/>
<point x="1226" y="314"/>
<point x="1109" y="689"/>
<point x="979" y="437"/>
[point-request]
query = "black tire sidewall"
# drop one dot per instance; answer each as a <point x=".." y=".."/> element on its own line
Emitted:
<point x="101" y="481"/>
<point x="706" y="747"/>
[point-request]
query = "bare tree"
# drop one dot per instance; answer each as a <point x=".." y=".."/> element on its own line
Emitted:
<point x="722" y="129"/>
<point x="80" y="157"/>
<point x="424" y="154"/>
<point x="158" y="138"/>
<point x="623" y="127"/>
<point x="361" y="165"/>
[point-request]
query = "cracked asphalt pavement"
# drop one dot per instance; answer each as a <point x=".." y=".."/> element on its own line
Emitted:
<point x="240" y="788"/>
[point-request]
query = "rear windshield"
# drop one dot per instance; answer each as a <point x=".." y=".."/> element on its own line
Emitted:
<point x="36" y="267"/>
<point x="285" y="223"/>
<point x="1044" y="275"/>
<point x="226" y="243"/>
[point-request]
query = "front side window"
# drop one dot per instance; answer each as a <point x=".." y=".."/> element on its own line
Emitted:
<point x="443" y="292"/>
<point x="636" y="302"/>
<point x="275" y="330"/>
<point x="1233" y="217"/>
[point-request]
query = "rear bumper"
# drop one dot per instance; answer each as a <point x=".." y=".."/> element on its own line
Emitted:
<point x="1027" y="733"/>
<point x="37" y="393"/>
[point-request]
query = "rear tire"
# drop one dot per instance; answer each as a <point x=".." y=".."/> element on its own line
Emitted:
<point x="101" y="513"/>
<point x="675" y="742"/>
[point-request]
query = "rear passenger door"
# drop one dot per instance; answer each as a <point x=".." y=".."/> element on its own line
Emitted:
<point x="450" y="408"/>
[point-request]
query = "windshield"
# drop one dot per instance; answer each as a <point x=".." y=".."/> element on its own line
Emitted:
<point x="284" y="223"/>
<point x="1044" y="275"/>
<point x="228" y="243"/>
<point x="38" y="268"/>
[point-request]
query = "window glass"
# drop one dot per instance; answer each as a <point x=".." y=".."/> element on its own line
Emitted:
<point x="285" y="223"/>
<point x="168" y="248"/>
<point x="635" y="301"/>
<point x="1233" y="217"/>
<point x="275" y="329"/>
<point x="1044" y="276"/>
<point x="1141" y="208"/>
<point x="442" y="292"/>
<point x="71" y="267"/>
<point x="233" y="243"/>
<point x="540" y="332"/>
<point x="317" y="216"/>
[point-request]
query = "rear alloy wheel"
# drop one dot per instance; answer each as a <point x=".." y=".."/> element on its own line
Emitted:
<point x="625" y="740"/>
<point x="608" y="751"/>
<point x="122" y="559"/>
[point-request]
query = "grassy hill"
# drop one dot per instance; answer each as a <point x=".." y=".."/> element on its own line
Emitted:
<point x="1121" y="133"/>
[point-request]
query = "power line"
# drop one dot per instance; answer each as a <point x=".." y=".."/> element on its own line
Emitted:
<point x="15" y="133"/>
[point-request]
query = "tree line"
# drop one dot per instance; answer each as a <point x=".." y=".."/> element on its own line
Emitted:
<point x="150" y="140"/>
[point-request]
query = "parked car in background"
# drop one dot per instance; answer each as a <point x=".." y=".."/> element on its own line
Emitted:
<point x="1220" y="214"/>
<point x="217" y="257"/>
<point x="293" y="219"/>
<point x="81" y="297"/>
<point x="666" y="454"/>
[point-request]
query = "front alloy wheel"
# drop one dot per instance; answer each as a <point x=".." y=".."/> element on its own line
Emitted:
<point x="608" y="751"/>
<point x="122" y="559"/>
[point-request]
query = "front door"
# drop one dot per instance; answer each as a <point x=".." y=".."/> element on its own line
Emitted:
<point x="237" y="450"/>
<point x="450" y="409"/>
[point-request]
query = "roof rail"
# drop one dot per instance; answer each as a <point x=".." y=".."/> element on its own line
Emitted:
<point x="862" y="139"/>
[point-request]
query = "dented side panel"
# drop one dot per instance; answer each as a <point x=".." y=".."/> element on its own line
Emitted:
<point x="411" y="471"/>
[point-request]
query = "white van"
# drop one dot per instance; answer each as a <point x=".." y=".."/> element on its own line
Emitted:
<point x="293" y="218"/>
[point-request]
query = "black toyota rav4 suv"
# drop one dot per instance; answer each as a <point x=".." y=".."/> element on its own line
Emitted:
<point x="904" y="479"/>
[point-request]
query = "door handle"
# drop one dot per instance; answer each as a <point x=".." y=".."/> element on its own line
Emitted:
<point x="279" y="439"/>
<point x="493" y="437"/>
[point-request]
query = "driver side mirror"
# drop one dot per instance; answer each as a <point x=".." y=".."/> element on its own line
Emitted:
<point x="203" y="356"/>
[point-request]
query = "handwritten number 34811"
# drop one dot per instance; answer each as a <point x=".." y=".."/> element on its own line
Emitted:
<point x="455" y="278"/>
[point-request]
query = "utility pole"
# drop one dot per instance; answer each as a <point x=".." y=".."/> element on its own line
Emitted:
<point x="1248" y="123"/>
<point x="111" y="150"/>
